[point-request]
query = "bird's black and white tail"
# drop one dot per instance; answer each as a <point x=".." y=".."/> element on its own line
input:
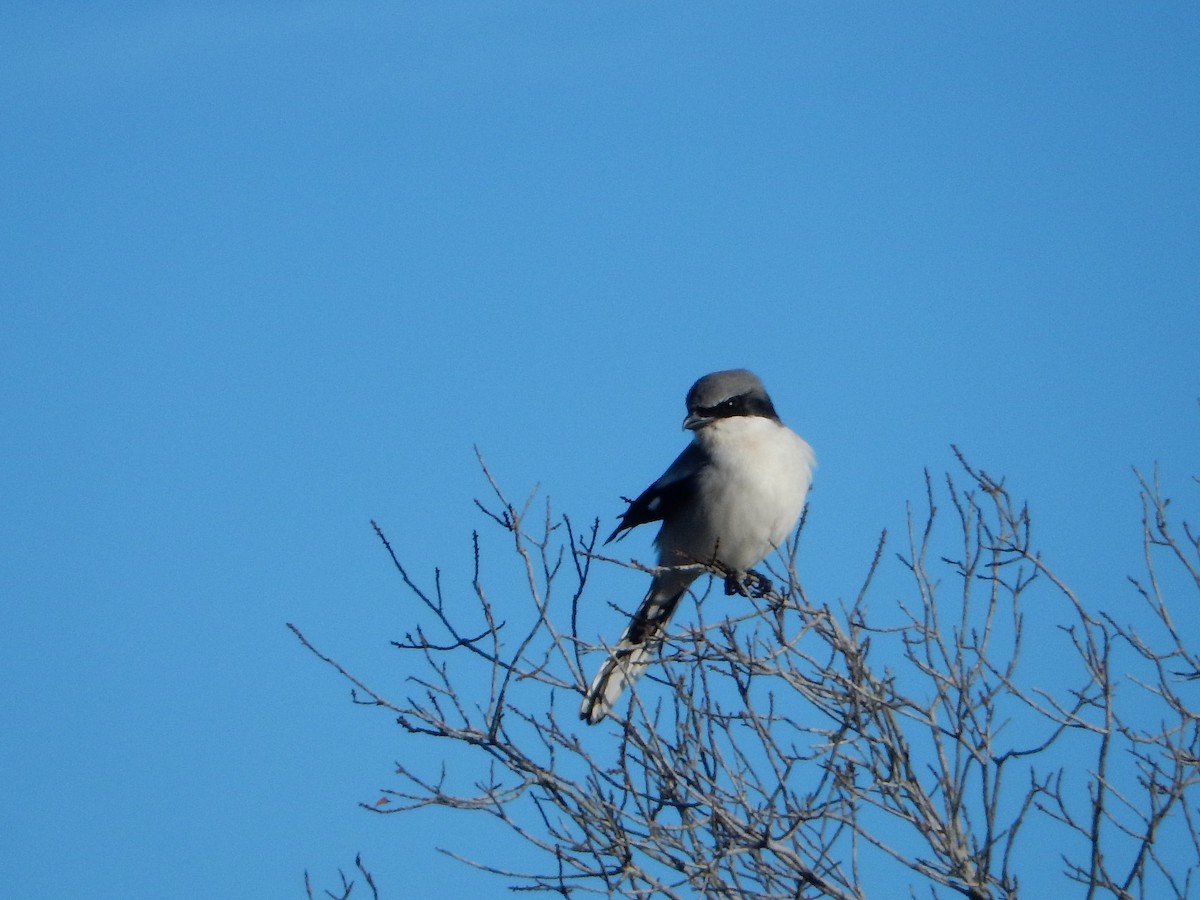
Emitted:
<point x="629" y="658"/>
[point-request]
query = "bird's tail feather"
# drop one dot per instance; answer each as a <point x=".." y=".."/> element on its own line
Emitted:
<point x="632" y="653"/>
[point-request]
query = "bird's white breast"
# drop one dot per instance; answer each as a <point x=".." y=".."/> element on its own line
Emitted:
<point x="751" y="495"/>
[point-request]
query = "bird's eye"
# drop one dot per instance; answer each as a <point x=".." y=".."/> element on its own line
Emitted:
<point x="729" y="407"/>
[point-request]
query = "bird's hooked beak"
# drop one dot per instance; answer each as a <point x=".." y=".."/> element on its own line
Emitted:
<point x="696" y="421"/>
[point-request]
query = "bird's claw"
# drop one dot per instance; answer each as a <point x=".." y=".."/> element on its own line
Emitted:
<point x="751" y="584"/>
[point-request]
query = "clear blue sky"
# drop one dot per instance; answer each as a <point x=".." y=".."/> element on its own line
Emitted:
<point x="271" y="269"/>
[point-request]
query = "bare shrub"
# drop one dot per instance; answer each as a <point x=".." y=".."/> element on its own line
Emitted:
<point x="792" y="747"/>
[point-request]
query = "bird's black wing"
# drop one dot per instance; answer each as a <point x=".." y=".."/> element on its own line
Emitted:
<point x="673" y="491"/>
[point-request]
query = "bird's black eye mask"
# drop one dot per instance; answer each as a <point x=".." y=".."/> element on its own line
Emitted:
<point x="741" y="405"/>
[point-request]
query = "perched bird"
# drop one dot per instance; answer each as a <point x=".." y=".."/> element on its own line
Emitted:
<point x="731" y="497"/>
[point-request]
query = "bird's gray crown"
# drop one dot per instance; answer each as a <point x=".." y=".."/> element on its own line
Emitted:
<point x="712" y="389"/>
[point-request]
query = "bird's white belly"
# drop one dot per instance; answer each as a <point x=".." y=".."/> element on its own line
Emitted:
<point x="750" y="499"/>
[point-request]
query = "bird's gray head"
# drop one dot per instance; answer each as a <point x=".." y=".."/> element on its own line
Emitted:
<point x="721" y="395"/>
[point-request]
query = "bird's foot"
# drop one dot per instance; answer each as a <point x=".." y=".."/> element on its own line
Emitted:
<point x="760" y="585"/>
<point x="751" y="584"/>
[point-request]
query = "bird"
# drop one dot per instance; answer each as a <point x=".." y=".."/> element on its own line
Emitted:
<point x="729" y="499"/>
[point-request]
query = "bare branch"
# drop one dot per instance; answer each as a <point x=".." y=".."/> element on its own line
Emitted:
<point x="789" y="746"/>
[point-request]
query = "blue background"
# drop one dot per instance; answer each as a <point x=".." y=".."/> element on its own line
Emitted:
<point x="270" y="270"/>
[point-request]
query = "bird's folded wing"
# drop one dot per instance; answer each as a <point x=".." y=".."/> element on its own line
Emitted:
<point x="673" y="491"/>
